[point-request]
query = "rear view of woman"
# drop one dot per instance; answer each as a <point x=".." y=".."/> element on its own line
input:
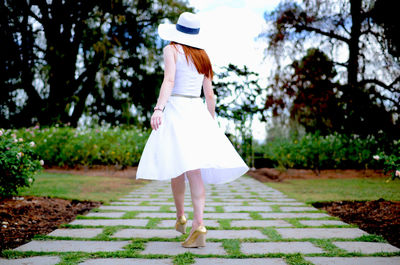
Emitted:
<point x="186" y="142"/>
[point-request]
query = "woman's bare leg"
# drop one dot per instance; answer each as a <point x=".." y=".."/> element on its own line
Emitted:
<point x="178" y="190"/>
<point x="198" y="195"/>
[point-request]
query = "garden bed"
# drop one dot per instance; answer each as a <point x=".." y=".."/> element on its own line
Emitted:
<point x="23" y="217"/>
<point x="378" y="217"/>
<point x="275" y="175"/>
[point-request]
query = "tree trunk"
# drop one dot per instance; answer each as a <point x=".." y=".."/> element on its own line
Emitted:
<point x="352" y="64"/>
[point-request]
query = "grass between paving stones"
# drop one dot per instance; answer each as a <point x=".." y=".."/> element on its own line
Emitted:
<point x="219" y="209"/>
<point x="152" y="223"/>
<point x="317" y="190"/>
<point x="296" y="259"/>
<point x="272" y="234"/>
<point x="183" y="259"/>
<point x="255" y="216"/>
<point x="232" y="247"/>
<point x="275" y="208"/>
<point x="224" y="223"/>
<point x="69" y="186"/>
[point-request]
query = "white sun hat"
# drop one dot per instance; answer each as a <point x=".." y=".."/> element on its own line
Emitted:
<point x="185" y="31"/>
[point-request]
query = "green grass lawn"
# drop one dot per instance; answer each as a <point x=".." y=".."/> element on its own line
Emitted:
<point x="313" y="190"/>
<point x="69" y="186"/>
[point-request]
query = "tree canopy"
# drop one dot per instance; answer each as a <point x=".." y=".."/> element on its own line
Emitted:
<point x="64" y="59"/>
<point x="360" y="70"/>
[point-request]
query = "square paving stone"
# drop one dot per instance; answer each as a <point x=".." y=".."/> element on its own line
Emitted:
<point x="174" y="248"/>
<point x="81" y="232"/>
<point x="146" y="233"/>
<point x="366" y="247"/>
<point x="110" y="222"/>
<point x="280" y="199"/>
<point x="259" y="223"/>
<point x="293" y="215"/>
<point x="247" y="208"/>
<point x="232" y="234"/>
<point x="226" y="216"/>
<point x="72" y="245"/>
<point x="190" y="209"/>
<point x="125" y="203"/>
<point x="171" y="223"/>
<point x="41" y="260"/>
<point x="297" y="209"/>
<point x="129" y="199"/>
<point x="218" y="261"/>
<point x="279" y="247"/>
<point x="156" y="215"/>
<point x="321" y="222"/>
<point x="320" y="232"/>
<point x="354" y="260"/>
<point x="276" y="203"/>
<point x="126" y="261"/>
<point x="224" y="203"/>
<point x="168" y="203"/>
<point x="130" y="208"/>
<point x="106" y="214"/>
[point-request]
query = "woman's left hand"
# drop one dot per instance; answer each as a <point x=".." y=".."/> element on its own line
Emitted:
<point x="156" y="119"/>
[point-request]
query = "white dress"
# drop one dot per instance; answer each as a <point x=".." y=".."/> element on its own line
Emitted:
<point x="188" y="137"/>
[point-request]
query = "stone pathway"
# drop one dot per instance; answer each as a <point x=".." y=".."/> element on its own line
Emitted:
<point x="248" y="223"/>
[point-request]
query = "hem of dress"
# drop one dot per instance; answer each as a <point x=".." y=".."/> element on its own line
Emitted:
<point x="243" y="170"/>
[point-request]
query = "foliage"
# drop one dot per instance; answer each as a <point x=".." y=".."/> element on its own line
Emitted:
<point x="18" y="163"/>
<point x="365" y="103"/>
<point x="385" y="14"/>
<point x="239" y="100"/>
<point x="311" y="93"/>
<point x="62" y="60"/>
<point x="391" y="161"/>
<point x="66" y="146"/>
<point x="317" y="152"/>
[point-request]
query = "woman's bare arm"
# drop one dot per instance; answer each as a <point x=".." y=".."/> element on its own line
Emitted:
<point x="169" y="76"/>
<point x="209" y="94"/>
<point x="166" y="86"/>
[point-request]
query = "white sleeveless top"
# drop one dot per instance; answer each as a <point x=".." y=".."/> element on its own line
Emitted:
<point x="187" y="80"/>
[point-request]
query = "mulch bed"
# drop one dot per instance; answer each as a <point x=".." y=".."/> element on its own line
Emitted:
<point x="22" y="217"/>
<point x="274" y="175"/>
<point x="378" y="217"/>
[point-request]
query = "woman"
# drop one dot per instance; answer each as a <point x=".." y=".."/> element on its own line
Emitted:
<point x="186" y="142"/>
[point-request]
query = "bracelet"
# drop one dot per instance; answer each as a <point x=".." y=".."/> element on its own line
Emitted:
<point x="158" y="108"/>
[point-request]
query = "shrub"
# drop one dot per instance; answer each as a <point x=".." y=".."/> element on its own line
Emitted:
<point x="391" y="162"/>
<point x="18" y="163"/>
<point x="68" y="147"/>
<point x="323" y="152"/>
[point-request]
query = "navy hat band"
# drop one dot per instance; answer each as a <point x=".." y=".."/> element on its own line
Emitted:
<point x="187" y="30"/>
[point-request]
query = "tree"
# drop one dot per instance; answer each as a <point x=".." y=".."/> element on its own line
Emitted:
<point x="239" y="100"/>
<point x="369" y="77"/>
<point x="313" y="99"/>
<point x="71" y="58"/>
<point x="385" y="14"/>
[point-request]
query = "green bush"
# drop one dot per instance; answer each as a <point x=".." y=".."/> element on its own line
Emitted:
<point x="68" y="147"/>
<point x="391" y="162"/>
<point x="18" y="163"/>
<point x="323" y="152"/>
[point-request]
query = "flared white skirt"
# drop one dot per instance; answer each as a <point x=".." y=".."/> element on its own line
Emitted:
<point x="187" y="139"/>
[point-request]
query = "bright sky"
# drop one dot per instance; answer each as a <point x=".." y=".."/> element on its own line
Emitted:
<point x="230" y="28"/>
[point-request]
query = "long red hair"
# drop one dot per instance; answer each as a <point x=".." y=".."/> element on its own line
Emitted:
<point x="199" y="58"/>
